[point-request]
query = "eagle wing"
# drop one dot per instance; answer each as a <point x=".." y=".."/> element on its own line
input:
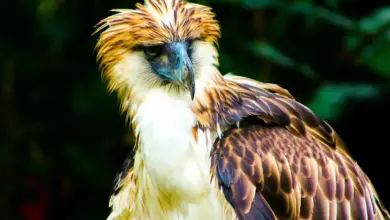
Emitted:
<point x="281" y="162"/>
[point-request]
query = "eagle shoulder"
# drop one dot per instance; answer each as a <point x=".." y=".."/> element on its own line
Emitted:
<point x="282" y="162"/>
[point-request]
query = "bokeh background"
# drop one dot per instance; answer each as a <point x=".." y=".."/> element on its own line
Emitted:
<point x="62" y="139"/>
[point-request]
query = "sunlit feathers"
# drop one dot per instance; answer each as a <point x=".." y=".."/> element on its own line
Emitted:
<point x="283" y="161"/>
<point x="152" y="23"/>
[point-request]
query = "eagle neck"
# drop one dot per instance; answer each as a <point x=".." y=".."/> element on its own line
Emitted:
<point x="174" y="161"/>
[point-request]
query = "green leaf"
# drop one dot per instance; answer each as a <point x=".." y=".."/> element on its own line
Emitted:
<point x="330" y="99"/>
<point x="377" y="54"/>
<point x="376" y="20"/>
<point x="369" y="25"/>
<point x="313" y="12"/>
<point x="274" y="55"/>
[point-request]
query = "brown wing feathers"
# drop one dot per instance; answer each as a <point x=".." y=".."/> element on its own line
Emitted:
<point x="290" y="167"/>
<point x="233" y="102"/>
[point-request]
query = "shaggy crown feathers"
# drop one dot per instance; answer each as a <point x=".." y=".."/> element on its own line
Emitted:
<point x="155" y="22"/>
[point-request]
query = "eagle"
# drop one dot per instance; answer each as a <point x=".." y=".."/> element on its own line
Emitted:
<point x="216" y="146"/>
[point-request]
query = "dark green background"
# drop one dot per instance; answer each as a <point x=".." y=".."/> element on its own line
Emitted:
<point x="63" y="140"/>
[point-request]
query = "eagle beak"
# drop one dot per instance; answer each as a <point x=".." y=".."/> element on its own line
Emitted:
<point x="183" y="71"/>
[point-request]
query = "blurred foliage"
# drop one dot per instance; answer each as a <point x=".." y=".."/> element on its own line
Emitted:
<point x="63" y="140"/>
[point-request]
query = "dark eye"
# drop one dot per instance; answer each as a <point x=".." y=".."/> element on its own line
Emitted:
<point x="190" y="44"/>
<point x="152" y="51"/>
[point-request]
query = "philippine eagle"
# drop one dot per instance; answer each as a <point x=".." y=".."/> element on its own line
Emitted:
<point x="215" y="147"/>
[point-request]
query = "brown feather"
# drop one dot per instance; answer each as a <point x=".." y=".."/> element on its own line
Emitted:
<point x="296" y="161"/>
<point x="319" y="192"/>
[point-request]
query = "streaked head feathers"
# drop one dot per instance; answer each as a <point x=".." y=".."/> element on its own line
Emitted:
<point x="155" y="22"/>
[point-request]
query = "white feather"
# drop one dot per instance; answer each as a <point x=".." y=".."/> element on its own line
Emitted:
<point x="173" y="162"/>
<point x="165" y="127"/>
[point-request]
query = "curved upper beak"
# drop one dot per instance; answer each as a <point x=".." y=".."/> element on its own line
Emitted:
<point x="183" y="71"/>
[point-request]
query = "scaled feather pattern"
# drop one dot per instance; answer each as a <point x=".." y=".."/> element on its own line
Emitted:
<point x="283" y="162"/>
<point x="255" y="152"/>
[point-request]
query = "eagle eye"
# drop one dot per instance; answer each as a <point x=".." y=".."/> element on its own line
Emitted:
<point x="152" y="51"/>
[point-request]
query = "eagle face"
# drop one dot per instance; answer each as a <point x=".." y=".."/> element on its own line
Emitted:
<point x="160" y="45"/>
<point x="172" y="64"/>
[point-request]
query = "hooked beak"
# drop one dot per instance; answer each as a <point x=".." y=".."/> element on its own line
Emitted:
<point x="183" y="72"/>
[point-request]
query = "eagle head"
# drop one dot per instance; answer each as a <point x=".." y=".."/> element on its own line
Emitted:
<point x="162" y="44"/>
